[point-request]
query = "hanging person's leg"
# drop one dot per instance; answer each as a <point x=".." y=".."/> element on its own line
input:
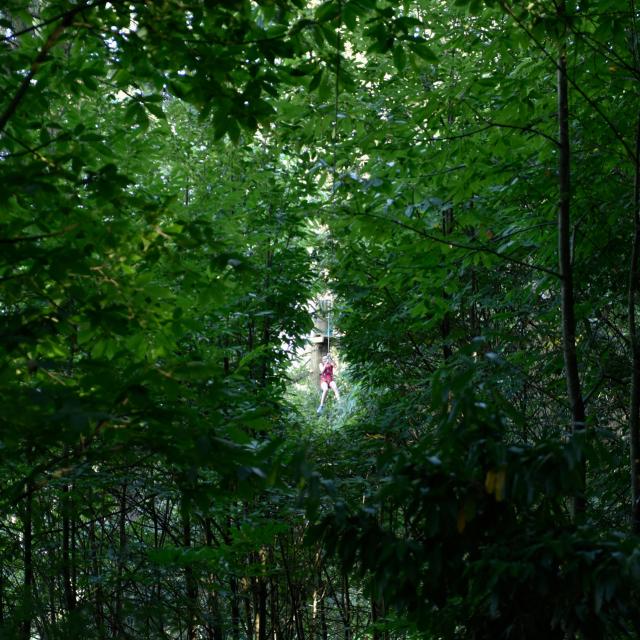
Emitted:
<point x="334" y="387"/>
<point x="325" y="388"/>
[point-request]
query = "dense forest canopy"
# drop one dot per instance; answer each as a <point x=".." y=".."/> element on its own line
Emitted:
<point x="180" y="179"/>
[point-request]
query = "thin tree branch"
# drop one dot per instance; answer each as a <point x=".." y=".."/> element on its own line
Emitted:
<point x="460" y="245"/>
<point x="41" y="236"/>
<point x="35" y="65"/>
<point x="50" y="42"/>
<point x="16" y="34"/>
<point x="35" y="27"/>
<point x="525" y="129"/>
<point x="517" y="231"/>
<point x="30" y="150"/>
<point x="592" y="103"/>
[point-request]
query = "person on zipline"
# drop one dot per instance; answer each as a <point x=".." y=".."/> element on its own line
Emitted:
<point x="326" y="380"/>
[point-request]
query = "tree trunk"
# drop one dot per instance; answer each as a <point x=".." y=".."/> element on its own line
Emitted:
<point x="346" y="607"/>
<point x="191" y="587"/>
<point x="634" y="401"/>
<point x="324" y="630"/>
<point x="262" y="597"/>
<point x="378" y="614"/>
<point x="565" y="264"/>
<point x="27" y="557"/>
<point x="117" y="624"/>
<point x="315" y="606"/>
<point x="445" y="325"/>
<point x="68" y="587"/>
<point x="293" y="594"/>
<point x="235" y="600"/>
<point x="248" y="609"/>
<point x="274" y="618"/>
<point x="97" y="575"/>
<point x="1" y="592"/>
<point x="215" y="630"/>
<point x="474" y="320"/>
<point x="266" y="321"/>
<point x="235" y="609"/>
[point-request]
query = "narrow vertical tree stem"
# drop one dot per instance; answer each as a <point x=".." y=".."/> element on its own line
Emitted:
<point x="634" y="400"/>
<point x="565" y="261"/>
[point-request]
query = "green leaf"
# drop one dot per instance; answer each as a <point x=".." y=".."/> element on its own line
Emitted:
<point x="156" y="110"/>
<point x="315" y="81"/>
<point x="233" y="130"/>
<point x="423" y="51"/>
<point x="399" y="57"/>
<point x="327" y="11"/>
<point x="350" y="13"/>
<point x="330" y="35"/>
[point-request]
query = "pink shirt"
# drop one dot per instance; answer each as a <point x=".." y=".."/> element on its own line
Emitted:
<point x="327" y="373"/>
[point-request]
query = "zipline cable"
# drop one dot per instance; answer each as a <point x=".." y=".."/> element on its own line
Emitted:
<point x="334" y="136"/>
